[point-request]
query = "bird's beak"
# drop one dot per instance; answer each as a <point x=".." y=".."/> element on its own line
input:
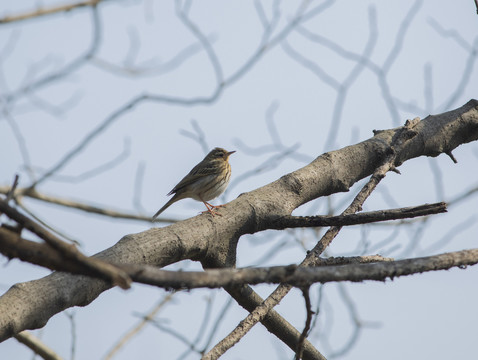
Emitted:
<point x="230" y="153"/>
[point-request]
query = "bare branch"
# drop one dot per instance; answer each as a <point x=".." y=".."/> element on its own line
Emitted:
<point x="465" y="78"/>
<point x="300" y="276"/>
<point x="341" y="87"/>
<point x="248" y="299"/>
<point x="67" y="69"/>
<point x="48" y="11"/>
<point x="46" y="224"/>
<point x="380" y="71"/>
<point x="309" y="314"/>
<point x="349" y="269"/>
<point x="361" y="218"/>
<point x="136" y="329"/>
<point x="220" y="318"/>
<point x="151" y="68"/>
<point x="463" y="196"/>
<point x="222" y="84"/>
<point x="398" y="141"/>
<point x="357" y="322"/>
<point x="71" y="318"/>
<point x="216" y="64"/>
<point x="69" y="203"/>
<point x="214" y="241"/>
<point x="67" y="251"/>
<point x="98" y="170"/>
<point x="22" y="145"/>
<point x="37" y="346"/>
<point x="12" y="189"/>
<point x="450" y="33"/>
<point x="198" y="135"/>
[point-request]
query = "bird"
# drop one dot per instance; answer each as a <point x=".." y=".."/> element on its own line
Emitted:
<point x="206" y="181"/>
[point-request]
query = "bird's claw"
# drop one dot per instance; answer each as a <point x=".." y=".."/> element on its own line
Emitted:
<point x="211" y="209"/>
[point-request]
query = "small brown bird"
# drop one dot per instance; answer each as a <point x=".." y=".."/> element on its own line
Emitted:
<point x="206" y="181"/>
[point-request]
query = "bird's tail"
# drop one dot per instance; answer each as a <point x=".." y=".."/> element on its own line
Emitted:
<point x="168" y="204"/>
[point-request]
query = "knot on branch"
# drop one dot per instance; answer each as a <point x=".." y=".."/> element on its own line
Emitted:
<point x="291" y="182"/>
<point x="405" y="133"/>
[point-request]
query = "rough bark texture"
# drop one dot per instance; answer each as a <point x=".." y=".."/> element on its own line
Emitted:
<point x="213" y="240"/>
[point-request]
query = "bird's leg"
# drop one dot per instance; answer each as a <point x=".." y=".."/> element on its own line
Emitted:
<point x="211" y="208"/>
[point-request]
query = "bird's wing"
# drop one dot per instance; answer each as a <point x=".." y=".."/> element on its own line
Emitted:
<point x="204" y="168"/>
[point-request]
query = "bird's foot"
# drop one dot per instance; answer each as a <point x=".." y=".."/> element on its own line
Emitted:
<point x="211" y="209"/>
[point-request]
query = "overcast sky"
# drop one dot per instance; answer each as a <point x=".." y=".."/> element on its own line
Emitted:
<point x="346" y="69"/>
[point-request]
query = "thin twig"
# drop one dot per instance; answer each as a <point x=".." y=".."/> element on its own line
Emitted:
<point x="69" y="68"/>
<point x="220" y="318"/>
<point x="139" y="99"/>
<point x="71" y="317"/>
<point x="78" y="205"/>
<point x="148" y="69"/>
<point x="138" y="327"/>
<point x="309" y="314"/>
<point x="11" y="192"/>
<point x="48" y="11"/>
<point x="37" y="346"/>
<point x="97" y="170"/>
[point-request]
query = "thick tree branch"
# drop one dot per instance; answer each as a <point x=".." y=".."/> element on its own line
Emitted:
<point x="68" y="252"/>
<point x="272" y="321"/>
<point x="300" y="276"/>
<point x="330" y="270"/>
<point x="13" y="245"/>
<point x="213" y="241"/>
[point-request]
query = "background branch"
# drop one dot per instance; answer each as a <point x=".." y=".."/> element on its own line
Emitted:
<point x="37" y="346"/>
<point x="48" y="11"/>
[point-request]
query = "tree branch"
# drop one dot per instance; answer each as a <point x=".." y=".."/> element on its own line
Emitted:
<point x="48" y="11"/>
<point x="214" y="241"/>
<point x="305" y="332"/>
<point x="68" y="252"/>
<point x="330" y="269"/>
<point x="286" y="222"/>
<point x="399" y="138"/>
<point x="300" y="276"/>
<point x="37" y="346"/>
<point x="78" y="205"/>
<point x="13" y="245"/>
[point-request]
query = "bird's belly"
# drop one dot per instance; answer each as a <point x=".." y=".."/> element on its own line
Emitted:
<point x="211" y="187"/>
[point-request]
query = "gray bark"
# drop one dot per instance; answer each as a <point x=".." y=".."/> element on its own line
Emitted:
<point x="213" y="241"/>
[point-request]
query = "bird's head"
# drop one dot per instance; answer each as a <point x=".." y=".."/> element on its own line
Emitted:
<point x="219" y="153"/>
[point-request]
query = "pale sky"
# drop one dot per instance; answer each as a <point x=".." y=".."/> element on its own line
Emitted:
<point x="288" y="101"/>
